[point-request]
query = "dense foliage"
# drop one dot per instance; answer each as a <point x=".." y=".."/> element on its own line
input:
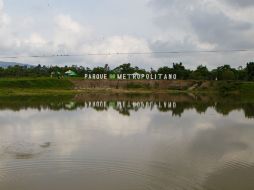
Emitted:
<point x="201" y="73"/>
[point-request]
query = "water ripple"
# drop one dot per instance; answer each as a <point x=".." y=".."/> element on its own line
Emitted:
<point x="149" y="175"/>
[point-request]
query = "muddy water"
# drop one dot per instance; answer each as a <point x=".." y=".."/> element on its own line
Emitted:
<point x="132" y="143"/>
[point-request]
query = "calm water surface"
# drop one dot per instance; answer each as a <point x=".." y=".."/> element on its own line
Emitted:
<point x="144" y="143"/>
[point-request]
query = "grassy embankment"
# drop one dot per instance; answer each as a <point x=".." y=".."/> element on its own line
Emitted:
<point x="35" y="86"/>
<point x="49" y="86"/>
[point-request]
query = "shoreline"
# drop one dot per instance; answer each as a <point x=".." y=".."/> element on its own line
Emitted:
<point x="41" y="92"/>
<point x="72" y="86"/>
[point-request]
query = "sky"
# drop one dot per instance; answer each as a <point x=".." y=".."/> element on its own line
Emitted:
<point x="46" y="27"/>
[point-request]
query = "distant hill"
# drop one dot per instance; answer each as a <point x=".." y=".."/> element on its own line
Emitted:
<point x="7" y="64"/>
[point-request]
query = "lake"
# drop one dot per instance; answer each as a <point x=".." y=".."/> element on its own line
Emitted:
<point x="127" y="142"/>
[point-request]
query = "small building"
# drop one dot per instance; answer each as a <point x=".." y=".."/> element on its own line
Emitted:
<point x="70" y="73"/>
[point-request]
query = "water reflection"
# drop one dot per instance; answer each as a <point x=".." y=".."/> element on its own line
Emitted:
<point x="127" y="142"/>
<point x="177" y="104"/>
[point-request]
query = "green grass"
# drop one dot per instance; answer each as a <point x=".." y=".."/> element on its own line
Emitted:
<point x="35" y="86"/>
<point x="234" y="86"/>
<point x="247" y="87"/>
<point x="35" y="83"/>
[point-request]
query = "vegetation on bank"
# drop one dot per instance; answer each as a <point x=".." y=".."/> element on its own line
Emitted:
<point x="225" y="72"/>
<point x="232" y="86"/>
<point x="35" y="83"/>
<point x="35" y="86"/>
<point x="223" y="87"/>
<point x="51" y="86"/>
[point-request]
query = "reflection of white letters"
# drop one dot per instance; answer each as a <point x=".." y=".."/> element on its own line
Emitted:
<point x="119" y="105"/>
<point x="138" y="104"/>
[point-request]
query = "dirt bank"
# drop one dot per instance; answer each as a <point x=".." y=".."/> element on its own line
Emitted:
<point x="137" y="84"/>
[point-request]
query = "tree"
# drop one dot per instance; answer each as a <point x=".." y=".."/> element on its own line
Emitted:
<point x="180" y="71"/>
<point x="125" y="69"/>
<point x="250" y="71"/>
<point x="201" y="73"/>
<point x="98" y="70"/>
<point x="165" y="70"/>
<point x="226" y="73"/>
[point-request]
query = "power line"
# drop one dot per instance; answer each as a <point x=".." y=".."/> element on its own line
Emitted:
<point x="127" y="53"/>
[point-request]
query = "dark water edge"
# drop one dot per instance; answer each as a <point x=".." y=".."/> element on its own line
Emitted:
<point x="175" y="103"/>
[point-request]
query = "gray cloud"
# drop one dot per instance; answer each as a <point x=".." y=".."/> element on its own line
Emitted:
<point x="241" y="3"/>
<point x="218" y="29"/>
<point x="185" y="3"/>
<point x="201" y="20"/>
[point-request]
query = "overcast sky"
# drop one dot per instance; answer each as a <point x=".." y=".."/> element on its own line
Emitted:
<point x="44" y="27"/>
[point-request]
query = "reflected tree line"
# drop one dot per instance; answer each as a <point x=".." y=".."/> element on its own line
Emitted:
<point x="175" y="107"/>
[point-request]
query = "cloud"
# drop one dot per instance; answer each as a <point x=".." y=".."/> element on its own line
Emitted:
<point x="5" y="37"/>
<point x="204" y="21"/>
<point x="69" y="36"/>
<point x="170" y="25"/>
<point x="1" y="5"/>
<point x="4" y="18"/>
<point x="117" y="44"/>
<point x="72" y="37"/>
<point x="203" y="25"/>
<point x="242" y="3"/>
<point x="65" y="22"/>
<point x="216" y="28"/>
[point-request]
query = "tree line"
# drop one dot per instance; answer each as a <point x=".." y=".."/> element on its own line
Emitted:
<point x="225" y="72"/>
